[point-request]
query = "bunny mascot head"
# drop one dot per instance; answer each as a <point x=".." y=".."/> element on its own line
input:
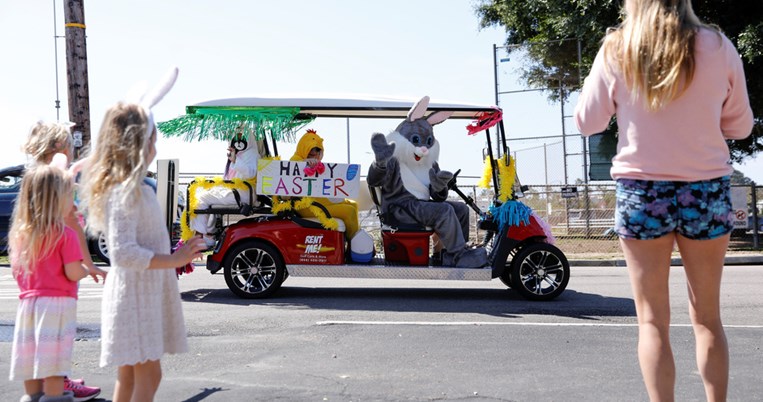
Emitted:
<point x="407" y="170"/>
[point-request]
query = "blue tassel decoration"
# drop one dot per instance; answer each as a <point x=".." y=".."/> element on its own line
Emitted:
<point x="511" y="213"/>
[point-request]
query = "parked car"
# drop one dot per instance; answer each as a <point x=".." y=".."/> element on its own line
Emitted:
<point x="10" y="184"/>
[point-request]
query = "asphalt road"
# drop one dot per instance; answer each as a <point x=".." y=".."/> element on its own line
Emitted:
<point x="386" y="340"/>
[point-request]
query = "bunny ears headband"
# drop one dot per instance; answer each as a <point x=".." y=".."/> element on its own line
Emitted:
<point x="149" y="98"/>
<point x="140" y="96"/>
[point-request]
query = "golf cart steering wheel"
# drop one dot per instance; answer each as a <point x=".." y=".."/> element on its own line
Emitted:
<point x="452" y="182"/>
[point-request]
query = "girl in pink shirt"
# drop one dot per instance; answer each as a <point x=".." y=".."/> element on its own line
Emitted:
<point x="678" y="90"/>
<point x="51" y="143"/>
<point x="46" y="142"/>
<point x="46" y="260"/>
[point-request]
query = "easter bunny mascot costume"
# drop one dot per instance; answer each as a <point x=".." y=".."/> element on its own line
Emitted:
<point x="414" y="189"/>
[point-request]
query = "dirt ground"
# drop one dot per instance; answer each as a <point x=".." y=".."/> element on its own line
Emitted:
<point x="576" y="248"/>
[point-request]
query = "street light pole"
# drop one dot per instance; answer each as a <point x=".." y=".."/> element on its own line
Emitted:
<point x="76" y="74"/>
<point x="55" y="59"/>
<point x="495" y="72"/>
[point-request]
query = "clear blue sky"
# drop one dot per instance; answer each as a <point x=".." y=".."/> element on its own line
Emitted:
<point x="246" y="48"/>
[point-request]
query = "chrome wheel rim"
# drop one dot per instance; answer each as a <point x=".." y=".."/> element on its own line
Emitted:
<point x="253" y="270"/>
<point x="103" y="246"/>
<point x="541" y="272"/>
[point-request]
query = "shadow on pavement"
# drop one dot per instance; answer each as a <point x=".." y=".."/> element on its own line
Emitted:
<point x="496" y="302"/>
<point x="204" y="394"/>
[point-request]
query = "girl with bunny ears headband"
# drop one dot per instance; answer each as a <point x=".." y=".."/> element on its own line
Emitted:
<point x="141" y="315"/>
<point x="124" y="150"/>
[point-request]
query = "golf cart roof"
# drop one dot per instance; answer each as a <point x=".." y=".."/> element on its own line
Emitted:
<point x="345" y="105"/>
<point x="281" y="116"/>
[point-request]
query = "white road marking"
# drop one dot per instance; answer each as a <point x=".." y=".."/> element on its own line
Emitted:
<point x="88" y="289"/>
<point x="497" y="323"/>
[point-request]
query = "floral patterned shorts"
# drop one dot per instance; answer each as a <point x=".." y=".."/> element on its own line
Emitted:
<point x="697" y="210"/>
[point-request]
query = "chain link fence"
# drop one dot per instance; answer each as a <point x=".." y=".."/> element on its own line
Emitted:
<point x="582" y="220"/>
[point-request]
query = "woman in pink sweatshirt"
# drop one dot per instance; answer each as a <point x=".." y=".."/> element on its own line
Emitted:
<point x="678" y="90"/>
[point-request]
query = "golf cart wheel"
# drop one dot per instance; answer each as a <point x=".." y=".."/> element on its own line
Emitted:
<point x="506" y="276"/>
<point x="253" y="269"/>
<point x="100" y="248"/>
<point x="539" y="272"/>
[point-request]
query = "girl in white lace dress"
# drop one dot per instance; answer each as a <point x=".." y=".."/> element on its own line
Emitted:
<point x="142" y="317"/>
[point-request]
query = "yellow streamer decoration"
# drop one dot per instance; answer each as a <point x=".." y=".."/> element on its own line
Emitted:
<point x="487" y="174"/>
<point x="305" y="203"/>
<point x="207" y="183"/>
<point x="507" y="173"/>
<point x="238" y="184"/>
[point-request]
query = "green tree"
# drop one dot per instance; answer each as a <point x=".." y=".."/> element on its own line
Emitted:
<point x="555" y="26"/>
<point x="738" y="177"/>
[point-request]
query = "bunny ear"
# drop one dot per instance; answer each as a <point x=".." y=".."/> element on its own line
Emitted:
<point x="77" y="166"/>
<point x="438" y="117"/>
<point x="136" y="92"/>
<point x="417" y="111"/>
<point x="157" y="93"/>
<point x="60" y="161"/>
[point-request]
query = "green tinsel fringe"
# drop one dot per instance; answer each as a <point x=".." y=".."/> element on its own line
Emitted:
<point x="222" y="123"/>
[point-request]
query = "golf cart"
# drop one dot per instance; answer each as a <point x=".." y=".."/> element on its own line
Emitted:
<point x="257" y="253"/>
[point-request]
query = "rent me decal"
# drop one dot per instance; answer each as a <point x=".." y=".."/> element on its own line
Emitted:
<point x="313" y="249"/>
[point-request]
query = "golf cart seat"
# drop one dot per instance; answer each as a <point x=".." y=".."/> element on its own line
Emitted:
<point x="403" y="242"/>
<point x="258" y="204"/>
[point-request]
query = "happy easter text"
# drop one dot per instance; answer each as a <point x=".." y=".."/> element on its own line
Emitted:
<point x="289" y="178"/>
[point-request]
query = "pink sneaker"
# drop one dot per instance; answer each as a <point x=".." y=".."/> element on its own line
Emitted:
<point x="81" y="392"/>
<point x="78" y="381"/>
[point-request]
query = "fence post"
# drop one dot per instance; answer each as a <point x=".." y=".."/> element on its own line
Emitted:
<point x="477" y="220"/>
<point x="755" y="234"/>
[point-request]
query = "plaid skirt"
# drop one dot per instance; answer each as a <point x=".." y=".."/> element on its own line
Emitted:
<point x="43" y="337"/>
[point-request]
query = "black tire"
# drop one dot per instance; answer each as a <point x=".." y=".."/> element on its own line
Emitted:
<point x="539" y="272"/>
<point x="253" y="269"/>
<point x="506" y="277"/>
<point x="100" y="249"/>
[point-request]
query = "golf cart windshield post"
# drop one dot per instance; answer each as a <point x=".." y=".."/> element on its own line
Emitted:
<point x="502" y="133"/>
<point x="493" y="166"/>
<point x="275" y="147"/>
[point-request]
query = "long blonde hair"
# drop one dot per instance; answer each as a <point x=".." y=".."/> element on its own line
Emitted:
<point x="46" y="139"/>
<point x="38" y="216"/>
<point x="119" y="158"/>
<point x="654" y="48"/>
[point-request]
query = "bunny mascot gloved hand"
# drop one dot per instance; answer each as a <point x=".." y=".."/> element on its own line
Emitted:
<point x="414" y="189"/>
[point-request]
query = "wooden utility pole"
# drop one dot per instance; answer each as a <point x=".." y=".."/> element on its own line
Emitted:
<point x="76" y="74"/>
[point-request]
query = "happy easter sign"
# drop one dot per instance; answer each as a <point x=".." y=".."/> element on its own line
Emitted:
<point x="290" y="178"/>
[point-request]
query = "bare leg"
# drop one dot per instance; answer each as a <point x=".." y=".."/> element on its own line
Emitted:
<point x="123" y="388"/>
<point x="649" y="268"/>
<point x="148" y="375"/>
<point x="32" y="387"/>
<point x="436" y="243"/>
<point x="53" y="386"/>
<point x="703" y="262"/>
